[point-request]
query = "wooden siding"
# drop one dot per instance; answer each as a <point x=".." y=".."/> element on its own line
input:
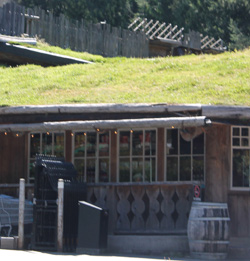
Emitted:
<point x="13" y="158"/>
<point x="217" y="163"/>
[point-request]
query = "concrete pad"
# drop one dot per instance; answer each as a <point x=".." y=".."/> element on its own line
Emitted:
<point x="148" y="245"/>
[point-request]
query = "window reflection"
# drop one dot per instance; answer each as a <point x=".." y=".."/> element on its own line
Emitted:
<point x="241" y="168"/>
<point x="185" y="158"/>
<point x="91" y="156"/>
<point x="137" y="156"/>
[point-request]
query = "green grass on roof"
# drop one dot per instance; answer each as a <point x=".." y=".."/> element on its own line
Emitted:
<point x="215" y="79"/>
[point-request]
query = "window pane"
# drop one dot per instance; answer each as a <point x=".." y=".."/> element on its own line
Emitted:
<point x="137" y="170"/>
<point x="104" y="144"/>
<point x="103" y="170"/>
<point x="59" y="144"/>
<point x="150" y="169"/>
<point x="236" y="131"/>
<point x="185" y="168"/>
<point x="124" y="143"/>
<point x="241" y="168"/>
<point x="32" y="169"/>
<point x="137" y="143"/>
<point x="34" y="144"/>
<point x="236" y="142"/>
<point x="47" y="143"/>
<point x="198" y="144"/>
<point x="172" y="142"/>
<point x="244" y="132"/>
<point x="79" y="166"/>
<point x="91" y="144"/>
<point x="91" y="170"/>
<point x="244" y="142"/>
<point x="172" y="169"/>
<point x="198" y="168"/>
<point x="79" y="144"/>
<point x="150" y="142"/>
<point x="124" y="170"/>
<point x="185" y="146"/>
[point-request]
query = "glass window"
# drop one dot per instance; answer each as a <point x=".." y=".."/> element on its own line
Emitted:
<point x="185" y="158"/>
<point x="240" y="157"/>
<point x="50" y="143"/>
<point x="91" y="153"/>
<point x="137" y="155"/>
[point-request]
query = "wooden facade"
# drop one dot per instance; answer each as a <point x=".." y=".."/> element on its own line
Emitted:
<point x="137" y="208"/>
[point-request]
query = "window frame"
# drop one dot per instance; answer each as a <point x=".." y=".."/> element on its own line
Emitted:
<point x="179" y="155"/>
<point x="31" y="179"/>
<point x="96" y="157"/>
<point x="240" y="147"/>
<point x="131" y="156"/>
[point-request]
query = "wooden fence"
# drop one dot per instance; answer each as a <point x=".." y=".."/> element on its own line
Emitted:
<point x="101" y="39"/>
<point x="144" y="209"/>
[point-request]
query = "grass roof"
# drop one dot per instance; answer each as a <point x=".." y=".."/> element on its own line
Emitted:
<point x="205" y="79"/>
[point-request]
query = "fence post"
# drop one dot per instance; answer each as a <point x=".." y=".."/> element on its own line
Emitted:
<point x="21" y="214"/>
<point x="60" y="216"/>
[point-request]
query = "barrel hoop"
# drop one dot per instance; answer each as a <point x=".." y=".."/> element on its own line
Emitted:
<point x="210" y="206"/>
<point x="211" y="219"/>
<point x="209" y="241"/>
<point x="209" y="255"/>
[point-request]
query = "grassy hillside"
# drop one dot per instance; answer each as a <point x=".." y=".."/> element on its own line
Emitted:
<point x="215" y="79"/>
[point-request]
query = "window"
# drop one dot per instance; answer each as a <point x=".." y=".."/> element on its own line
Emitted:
<point x="240" y="157"/>
<point x="185" y="157"/>
<point x="91" y="153"/>
<point x="137" y="155"/>
<point x="46" y="144"/>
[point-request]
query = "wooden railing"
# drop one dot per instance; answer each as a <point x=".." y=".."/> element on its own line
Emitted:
<point x="143" y="209"/>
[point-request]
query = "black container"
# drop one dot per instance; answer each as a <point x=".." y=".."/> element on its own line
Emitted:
<point x="92" y="228"/>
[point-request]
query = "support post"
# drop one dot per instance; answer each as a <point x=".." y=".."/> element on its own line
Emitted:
<point x="60" y="216"/>
<point x="21" y="214"/>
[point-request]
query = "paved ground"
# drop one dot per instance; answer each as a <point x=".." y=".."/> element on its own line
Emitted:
<point x="37" y="256"/>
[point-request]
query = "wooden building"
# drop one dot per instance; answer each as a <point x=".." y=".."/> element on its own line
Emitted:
<point x="140" y="161"/>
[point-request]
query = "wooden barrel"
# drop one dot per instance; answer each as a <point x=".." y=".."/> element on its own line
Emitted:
<point x="208" y="230"/>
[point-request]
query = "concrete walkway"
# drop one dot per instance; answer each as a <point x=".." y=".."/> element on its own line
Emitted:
<point x="37" y="256"/>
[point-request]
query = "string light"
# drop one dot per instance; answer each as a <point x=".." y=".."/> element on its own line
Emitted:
<point x="115" y="132"/>
<point x="84" y="133"/>
<point x="97" y="130"/>
<point x="131" y="131"/>
<point x="72" y="134"/>
<point x="47" y="133"/>
<point x="5" y="133"/>
<point x="17" y="134"/>
<point x="172" y="127"/>
<point x="32" y="135"/>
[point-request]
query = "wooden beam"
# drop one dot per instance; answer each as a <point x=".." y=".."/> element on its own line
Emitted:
<point x="179" y="122"/>
<point x="226" y="112"/>
<point x="98" y="108"/>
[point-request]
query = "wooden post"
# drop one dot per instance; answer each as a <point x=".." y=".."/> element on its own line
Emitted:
<point x="60" y="216"/>
<point x="21" y="214"/>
